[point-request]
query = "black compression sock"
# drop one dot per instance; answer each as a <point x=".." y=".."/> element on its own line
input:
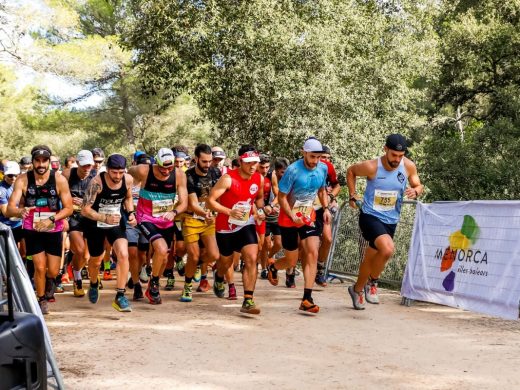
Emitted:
<point x="120" y="292"/>
<point x="307" y="294"/>
<point x="218" y="278"/>
<point x="248" y="294"/>
<point x="187" y="280"/>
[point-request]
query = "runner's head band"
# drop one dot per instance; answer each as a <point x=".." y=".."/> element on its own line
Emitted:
<point x="251" y="156"/>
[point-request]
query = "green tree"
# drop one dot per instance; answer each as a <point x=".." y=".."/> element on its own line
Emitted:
<point x="473" y="136"/>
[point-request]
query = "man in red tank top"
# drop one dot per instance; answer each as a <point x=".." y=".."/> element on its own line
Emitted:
<point x="232" y="198"/>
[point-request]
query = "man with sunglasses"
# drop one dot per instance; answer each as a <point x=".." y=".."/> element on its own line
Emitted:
<point x="11" y="172"/>
<point x="232" y="198"/>
<point x="160" y="182"/>
<point x="79" y="179"/>
<point x="47" y="203"/>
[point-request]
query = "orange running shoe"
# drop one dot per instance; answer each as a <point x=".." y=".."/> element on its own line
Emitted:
<point x="309" y="306"/>
<point x="107" y="275"/>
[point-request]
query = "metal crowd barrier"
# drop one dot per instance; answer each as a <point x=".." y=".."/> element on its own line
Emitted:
<point x="24" y="300"/>
<point x="348" y="246"/>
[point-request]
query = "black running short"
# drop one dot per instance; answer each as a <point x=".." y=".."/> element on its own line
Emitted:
<point x="76" y="223"/>
<point x="372" y="227"/>
<point x="234" y="242"/>
<point x="152" y="233"/>
<point x="290" y="235"/>
<point x="272" y="228"/>
<point x="37" y="242"/>
<point x="17" y="234"/>
<point x="319" y="220"/>
<point x="96" y="238"/>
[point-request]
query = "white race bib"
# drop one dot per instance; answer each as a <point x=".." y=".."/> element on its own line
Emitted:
<point x="161" y="207"/>
<point x="108" y="209"/>
<point x="203" y="207"/>
<point x="385" y="200"/>
<point x="245" y="207"/>
<point x="304" y="207"/>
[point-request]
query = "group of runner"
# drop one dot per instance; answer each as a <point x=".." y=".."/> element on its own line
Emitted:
<point x="150" y="215"/>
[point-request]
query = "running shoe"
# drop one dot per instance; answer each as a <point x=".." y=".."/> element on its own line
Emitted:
<point x="143" y="275"/>
<point x="249" y="307"/>
<point x="130" y="283"/>
<point x="232" y="293"/>
<point x="93" y="292"/>
<point x="138" y="292"/>
<point x="290" y="280"/>
<point x="179" y="265"/>
<point x="152" y="293"/>
<point x="78" y="288"/>
<point x="170" y="283"/>
<point x="197" y="275"/>
<point x="65" y="278"/>
<point x="321" y="279"/>
<point x="121" y="304"/>
<point x="44" y="306"/>
<point x="187" y="293"/>
<point x="107" y="275"/>
<point x="371" y="294"/>
<point x="59" y="288"/>
<point x="113" y="265"/>
<point x="219" y="289"/>
<point x="358" y="298"/>
<point x="263" y="274"/>
<point x="272" y="273"/>
<point x="203" y="286"/>
<point x="308" y="306"/>
<point x="50" y="288"/>
<point x="70" y="272"/>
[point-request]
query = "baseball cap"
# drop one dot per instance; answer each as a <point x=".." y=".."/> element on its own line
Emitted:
<point x="250" y="156"/>
<point x="98" y="152"/>
<point x="164" y="157"/>
<point x="84" y="157"/>
<point x="11" y="168"/>
<point x="25" y="161"/>
<point x="116" y="161"/>
<point x="137" y="154"/>
<point x="312" y="145"/>
<point x="217" y="152"/>
<point x="396" y="142"/>
<point x="326" y="149"/>
<point x="142" y="159"/>
<point x="40" y="152"/>
<point x="180" y="155"/>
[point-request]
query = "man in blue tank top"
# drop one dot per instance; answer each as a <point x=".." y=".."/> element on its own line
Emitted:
<point x="387" y="179"/>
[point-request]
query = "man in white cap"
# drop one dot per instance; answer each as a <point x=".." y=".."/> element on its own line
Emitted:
<point x="219" y="156"/>
<point x="79" y="179"/>
<point x="11" y="172"/>
<point x="156" y="210"/>
<point x="302" y="181"/>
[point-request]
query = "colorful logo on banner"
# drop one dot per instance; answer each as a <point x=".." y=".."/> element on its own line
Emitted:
<point x="460" y="243"/>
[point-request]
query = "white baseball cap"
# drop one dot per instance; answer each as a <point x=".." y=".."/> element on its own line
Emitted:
<point x="312" y="145"/>
<point x="85" y="157"/>
<point x="165" y="157"/>
<point x="11" y="168"/>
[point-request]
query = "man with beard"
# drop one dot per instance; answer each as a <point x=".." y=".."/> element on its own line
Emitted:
<point x="156" y="212"/>
<point x="232" y="198"/>
<point x="199" y="223"/>
<point x="387" y="178"/>
<point x="79" y="179"/>
<point x="103" y="203"/>
<point x="46" y="202"/>
<point x="302" y="181"/>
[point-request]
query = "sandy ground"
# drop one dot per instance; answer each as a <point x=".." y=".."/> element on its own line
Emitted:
<point x="208" y="344"/>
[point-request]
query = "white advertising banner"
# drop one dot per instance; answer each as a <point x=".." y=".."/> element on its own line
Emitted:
<point x="466" y="255"/>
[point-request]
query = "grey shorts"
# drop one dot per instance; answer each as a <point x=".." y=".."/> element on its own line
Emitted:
<point x="132" y="235"/>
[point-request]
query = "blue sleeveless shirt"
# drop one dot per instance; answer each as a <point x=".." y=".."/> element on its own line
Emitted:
<point x="384" y="194"/>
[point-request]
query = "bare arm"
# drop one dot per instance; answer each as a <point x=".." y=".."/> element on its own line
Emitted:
<point x="216" y="192"/>
<point x="180" y="179"/>
<point x="139" y="173"/>
<point x="367" y="169"/>
<point x="12" y="209"/>
<point x="94" y="188"/>
<point x="129" y="201"/>
<point x="259" y="201"/>
<point x="416" y="188"/>
<point x="66" y="199"/>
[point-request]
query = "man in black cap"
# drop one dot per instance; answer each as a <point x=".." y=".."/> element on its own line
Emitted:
<point x="108" y="196"/>
<point x="387" y="183"/>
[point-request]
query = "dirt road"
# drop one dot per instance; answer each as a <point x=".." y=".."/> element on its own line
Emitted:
<point x="208" y="344"/>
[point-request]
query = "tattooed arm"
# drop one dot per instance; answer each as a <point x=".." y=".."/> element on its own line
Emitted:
<point x="93" y="189"/>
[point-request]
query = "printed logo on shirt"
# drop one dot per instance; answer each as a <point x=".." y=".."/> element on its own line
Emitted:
<point x="401" y="177"/>
<point x="253" y="189"/>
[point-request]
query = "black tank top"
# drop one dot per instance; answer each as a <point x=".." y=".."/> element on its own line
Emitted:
<point x="155" y="185"/>
<point x="110" y="201"/>
<point x="79" y="186"/>
<point x="45" y="195"/>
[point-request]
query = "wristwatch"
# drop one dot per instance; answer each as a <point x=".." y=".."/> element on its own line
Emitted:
<point x="52" y="219"/>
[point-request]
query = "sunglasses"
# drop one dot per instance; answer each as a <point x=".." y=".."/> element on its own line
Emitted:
<point x="99" y="161"/>
<point x="11" y="176"/>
